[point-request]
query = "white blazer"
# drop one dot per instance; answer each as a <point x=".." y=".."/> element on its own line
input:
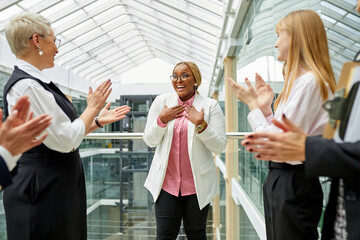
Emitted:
<point x="200" y="146"/>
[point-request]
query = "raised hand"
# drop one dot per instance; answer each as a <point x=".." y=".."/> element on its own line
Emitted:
<point x="265" y="95"/>
<point x="194" y="115"/>
<point x="168" y="114"/>
<point x="96" y="99"/>
<point x="21" y="110"/>
<point x="107" y="116"/>
<point x="286" y="146"/>
<point x="246" y="95"/>
<point x="18" y="132"/>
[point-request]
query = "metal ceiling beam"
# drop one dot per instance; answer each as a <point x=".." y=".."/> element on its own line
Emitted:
<point x="139" y="20"/>
<point x="179" y="38"/>
<point x="100" y="61"/>
<point x="81" y="19"/>
<point x="343" y="6"/>
<point x="166" y="14"/>
<point x="189" y="45"/>
<point x="199" y="5"/>
<point x="181" y="11"/>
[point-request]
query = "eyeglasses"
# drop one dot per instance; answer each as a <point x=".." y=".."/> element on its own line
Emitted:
<point x="183" y="77"/>
<point x="56" y="40"/>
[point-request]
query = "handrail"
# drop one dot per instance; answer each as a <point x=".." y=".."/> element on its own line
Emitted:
<point x="114" y="136"/>
<point x="229" y="135"/>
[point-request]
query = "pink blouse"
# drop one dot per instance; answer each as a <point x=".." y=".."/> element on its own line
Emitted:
<point x="179" y="177"/>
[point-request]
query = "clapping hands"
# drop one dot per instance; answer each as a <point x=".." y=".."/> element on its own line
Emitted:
<point x="265" y="95"/>
<point x="107" y="116"/>
<point x="259" y="97"/>
<point x="19" y="131"/>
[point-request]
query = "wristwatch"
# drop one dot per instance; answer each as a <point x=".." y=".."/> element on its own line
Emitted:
<point x="201" y="127"/>
<point x="97" y="122"/>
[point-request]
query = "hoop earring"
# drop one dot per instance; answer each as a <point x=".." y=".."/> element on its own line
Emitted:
<point x="39" y="49"/>
<point x="195" y="86"/>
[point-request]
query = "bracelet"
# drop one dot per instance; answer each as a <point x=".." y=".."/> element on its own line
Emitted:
<point x="97" y="123"/>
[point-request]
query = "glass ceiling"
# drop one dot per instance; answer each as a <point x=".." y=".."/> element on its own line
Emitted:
<point x="102" y="39"/>
<point x="340" y="18"/>
<point x="343" y="30"/>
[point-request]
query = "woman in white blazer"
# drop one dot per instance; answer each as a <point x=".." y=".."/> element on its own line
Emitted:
<point x="185" y="128"/>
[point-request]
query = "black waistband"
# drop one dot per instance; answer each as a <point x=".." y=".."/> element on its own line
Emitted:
<point x="276" y="165"/>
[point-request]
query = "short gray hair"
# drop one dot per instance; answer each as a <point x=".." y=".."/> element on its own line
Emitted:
<point x="21" y="27"/>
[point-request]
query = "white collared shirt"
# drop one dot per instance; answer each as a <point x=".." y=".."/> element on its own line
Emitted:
<point x="63" y="135"/>
<point x="303" y="107"/>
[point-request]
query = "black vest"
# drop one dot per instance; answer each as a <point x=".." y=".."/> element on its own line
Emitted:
<point x="47" y="199"/>
<point x="60" y="99"/>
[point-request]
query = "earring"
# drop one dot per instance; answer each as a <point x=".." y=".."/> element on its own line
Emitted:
<point x="195" y="86"/>
<point x="39" y="49"/>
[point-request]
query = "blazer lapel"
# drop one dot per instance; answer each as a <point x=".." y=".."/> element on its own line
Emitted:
<point x="171" y="102"/>
<point x="191" y="126"/>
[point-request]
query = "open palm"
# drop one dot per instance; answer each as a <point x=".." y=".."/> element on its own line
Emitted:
<point x="109" y="116"/>
<point x="265" y="95"/>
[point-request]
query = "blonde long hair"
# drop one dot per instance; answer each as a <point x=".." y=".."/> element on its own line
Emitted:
<point x="308" y="51"/>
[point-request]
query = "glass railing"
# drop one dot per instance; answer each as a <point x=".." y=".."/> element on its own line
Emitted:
<point x="119" y="207"/>
<point x="118" y="204"/>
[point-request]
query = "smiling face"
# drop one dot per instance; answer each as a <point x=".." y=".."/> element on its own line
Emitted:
<point x="184" y="89"/>
<point x="49" y="49"/>
<point x="283" y="45"/>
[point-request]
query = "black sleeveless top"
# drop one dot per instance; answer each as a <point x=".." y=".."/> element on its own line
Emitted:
<point x="47" y="199"/>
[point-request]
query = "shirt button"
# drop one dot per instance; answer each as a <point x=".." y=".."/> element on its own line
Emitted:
<point x="350" y="196"/>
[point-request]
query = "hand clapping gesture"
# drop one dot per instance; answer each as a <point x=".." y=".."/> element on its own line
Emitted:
<point x="288" y="145"/>
<point x="19" y="131"/>
<point x="246" y="95"/>
<point x="265" y="95"/>
<point x="96" y="99"/>
<point x="107" y="116"/>
<point x="95" y="102"/>
<point x="260" y="97"/>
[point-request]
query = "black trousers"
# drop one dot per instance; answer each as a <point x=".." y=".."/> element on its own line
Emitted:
<point x="292" y="202"/>
<point x="169" y="211"/>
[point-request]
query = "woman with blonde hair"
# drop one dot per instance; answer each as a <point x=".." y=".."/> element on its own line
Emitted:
<point x="292" y="202"/>
<point x="47" y="199"/>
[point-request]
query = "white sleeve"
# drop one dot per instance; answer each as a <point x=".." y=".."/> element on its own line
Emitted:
<point x="302" y="107"/>
<point x="63" y="135"/>
<point x="8" y="158"/>
<point x="306" y="106"/>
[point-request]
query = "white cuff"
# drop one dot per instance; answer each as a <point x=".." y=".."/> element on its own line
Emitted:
<point x="9" y="159"/>
<point x="256" y="118"/>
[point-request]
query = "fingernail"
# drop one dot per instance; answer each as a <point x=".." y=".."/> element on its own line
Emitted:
<point x="258" y="156"/>
<point x="284" y="116"/>
<point x="251" y="150"/>
<point x="15" y="113"/>
<point x="247" y="143"/>
<point x="250" y="136"/>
